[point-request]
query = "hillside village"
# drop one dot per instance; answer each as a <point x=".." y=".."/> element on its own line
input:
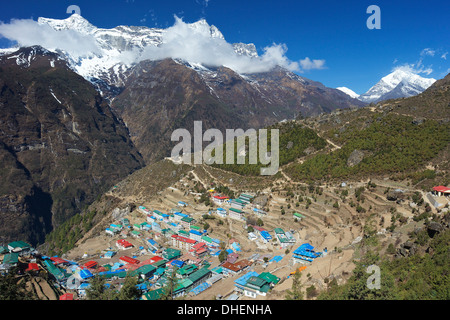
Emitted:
<point x="246" y="246"/>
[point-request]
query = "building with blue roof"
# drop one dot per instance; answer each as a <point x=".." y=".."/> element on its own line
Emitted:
<point x="110" y="231"/>
<point x="242" y="281"/>
<point x="200" y="288"/>
<point x="85" y="274"/>
<point x="177" y="216"/>
<point x="265" y="236"/>
<point x="195" y="235"/>
<point x="109" y="254"/>
<point x="215" y="240"/>
<point x="182" y="204"/>
<point x="305" y="253"/>
<point x="236" y="246"/>
<point x="156" y="227"/>
<point x="177" y="263"/>
<point x="221" y="212"/>
<point x="153" y="244"/>
<point x="276" y="259"/>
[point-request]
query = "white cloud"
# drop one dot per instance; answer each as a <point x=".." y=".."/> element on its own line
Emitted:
<point x="181" y="41"/>
<point x="428" y="52"/>
<point x="308" y="64"/>
<point x="444" y="56"/>
<point x="414" y="68"/>
<point x="196" y="45"/>
<point x="28" y="32"/>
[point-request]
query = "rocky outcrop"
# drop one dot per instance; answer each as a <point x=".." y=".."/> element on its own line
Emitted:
<point x="355" y="158"/>
<point x="434" y="228"/>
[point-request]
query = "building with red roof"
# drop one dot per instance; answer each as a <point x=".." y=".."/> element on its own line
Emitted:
<point x="182" y="242"/>
<point x="152" y="260"/>
<point x="236" y="267"/>
<point x="200" y="249"/>
<point x="219" y="199"/>
<point x="57" y="260"/>
<point x="441" y="190"/>
<point x="123" y="244"/>
<point x="32" y="267"/>
<point x="66" y="296"/>
<point x="91" y="264"/>
<point x="129" y="260"/>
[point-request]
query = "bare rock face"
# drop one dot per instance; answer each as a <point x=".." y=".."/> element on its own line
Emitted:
<point x="355" y="158"/>
<point x="60" y="144"/>
<point x="395" y="195"/>
<point x="119" y="213"/>
<point x="434" y="228"/>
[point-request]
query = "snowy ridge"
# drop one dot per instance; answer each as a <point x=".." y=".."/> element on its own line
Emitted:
<point x="398" y="84"/>
<point x="349" y="92"/>
<point x="123" y="46"/>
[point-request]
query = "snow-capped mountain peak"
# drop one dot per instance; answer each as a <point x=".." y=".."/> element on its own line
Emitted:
<point x="398" y="84"/>
<point x="349" y="92"/>
<point x="203" y="26"/>
<point x="119" y="48"/>
<point x="74" y="22"/>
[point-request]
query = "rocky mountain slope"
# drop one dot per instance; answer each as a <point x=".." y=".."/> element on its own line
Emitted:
<point x="60" y="144"/>
<point x="161" y="96"/>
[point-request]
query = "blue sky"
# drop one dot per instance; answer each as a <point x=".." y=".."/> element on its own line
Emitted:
<point x="414" y="33"/>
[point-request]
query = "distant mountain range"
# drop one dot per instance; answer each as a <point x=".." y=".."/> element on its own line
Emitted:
<point x="398" y="84"/>
<point x="155" y="94"/>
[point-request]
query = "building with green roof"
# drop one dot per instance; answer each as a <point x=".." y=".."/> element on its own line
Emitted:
<point x="206" y="239"/>
<point x="186" y="270"/>
<point x="145" y="271"/>
<point x="298" y="215"/>
<point x="54" y="270"/>
<point x="160" y="271"/>
<point x="255" y="286"/>
<point x="269" y="278"/>
<point x="160" y="263"/>
<point x="187" y="221"/>
<point x="19" y="246"/>
<point x="183" y="233"/>
<point x="283" y="239"/>
<point x="182" y="287"/>
<point x="153" y="294"/>
<point x="235" y="213"/>
<point x="200" y="275"/>
<point x="11" y="259"/>
<point x="135" y="233"/>
<point x="170" y="254"/>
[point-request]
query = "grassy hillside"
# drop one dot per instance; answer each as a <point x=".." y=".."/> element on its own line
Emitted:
<point x="388" y="144"/>
<point x="296" y="141"/>
<point x="421" y="276"/>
